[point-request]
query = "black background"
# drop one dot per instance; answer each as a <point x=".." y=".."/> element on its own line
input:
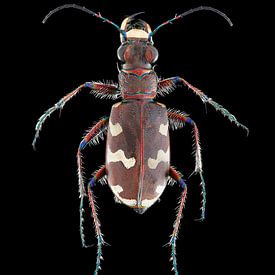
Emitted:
<point x="74" y="47"/>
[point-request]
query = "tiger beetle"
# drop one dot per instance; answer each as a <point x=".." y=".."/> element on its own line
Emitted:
<point x="137" y="166"/>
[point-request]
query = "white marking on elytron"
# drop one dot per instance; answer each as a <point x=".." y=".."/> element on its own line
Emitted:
<point x="117" y="104"/>
<point x="148" y="203"/>
<point x="163" y="129"/>
<point x="162" y="156"/>
<point x="120" y="156"/>
<point x="160" y="188"/>
<point x="117" y="188"/>
<point x="129" y="202"/>
<point x="115" y="129"/>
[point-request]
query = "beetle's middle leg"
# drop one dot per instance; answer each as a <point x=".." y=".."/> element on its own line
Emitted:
<point x="177" y="120"/>
<point x="92" y="137"/>
<point x="177" y="176"/>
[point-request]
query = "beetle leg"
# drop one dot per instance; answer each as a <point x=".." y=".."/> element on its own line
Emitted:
<point x="97" y="176"/>
<point x="177" y="176"/>
<point x="99" y="89"/>
<point x="168" y="85"/>
<point x="177" y="120"/>
<point x="102" y="90"/>
<point x="92" y="137"/>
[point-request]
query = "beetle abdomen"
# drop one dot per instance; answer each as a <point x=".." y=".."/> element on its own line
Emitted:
<point x="138" y="153"/>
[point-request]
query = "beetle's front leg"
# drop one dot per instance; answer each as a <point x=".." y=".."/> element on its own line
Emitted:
<point x="99" y="89"/>
<point x="167" y="85"/>
<point x="92" y="137"/>
<point x="177" y="176"/>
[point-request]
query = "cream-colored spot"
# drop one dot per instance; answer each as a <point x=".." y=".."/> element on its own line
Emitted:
<point x="115" y="129"/>
<point x="117" y="104"/>
<point x="117" y="188"/>
<point x="148" y="203"/>
<point x="162" y="156"/>
<point x="163" y="129"/>
<point x="129" y="202"/>
<point x="137" y="33"/>
<point x="120" y="156"/>
<point x="160" y="189"/>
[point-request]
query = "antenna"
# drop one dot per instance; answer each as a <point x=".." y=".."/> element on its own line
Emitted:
<point x="74" y="6"/>
<point x="201" y="8"/>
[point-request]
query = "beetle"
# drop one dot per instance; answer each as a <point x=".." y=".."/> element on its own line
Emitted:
<point x="137" y="166"/>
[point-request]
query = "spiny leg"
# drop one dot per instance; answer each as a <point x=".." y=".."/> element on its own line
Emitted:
<point x="99" y="89"/>
<point x="166" y="86"/>
<point x="98" y="175"/>
<point x="177" y="119"/>
<point x="92" y="137"/>
<point x="177" y="176"/>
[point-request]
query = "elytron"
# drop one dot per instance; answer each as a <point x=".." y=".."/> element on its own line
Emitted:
<point x="137" y="167"/>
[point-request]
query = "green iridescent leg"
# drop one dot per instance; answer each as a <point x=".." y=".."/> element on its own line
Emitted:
<point x="208" y="100"/>
<point x="227" y="114"/>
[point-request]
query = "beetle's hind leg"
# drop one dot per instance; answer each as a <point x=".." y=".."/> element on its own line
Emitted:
<point x="92" y="137"/>
<point x="177" y="176"/>
<point x="99" y="175"/>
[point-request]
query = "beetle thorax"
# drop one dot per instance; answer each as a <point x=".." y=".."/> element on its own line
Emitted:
<point x="138" y="84"/>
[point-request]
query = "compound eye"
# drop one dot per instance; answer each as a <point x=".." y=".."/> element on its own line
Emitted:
<point x="120" y="52"/>
<point x="151" y="54"/>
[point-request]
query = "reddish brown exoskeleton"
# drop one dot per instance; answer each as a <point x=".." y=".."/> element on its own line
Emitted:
<point x="137" y="166"/>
